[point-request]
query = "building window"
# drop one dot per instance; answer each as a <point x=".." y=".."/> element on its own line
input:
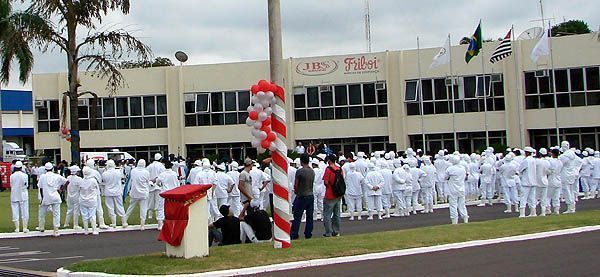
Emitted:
<point x="342" y="101"/>
<point x="468" y="142"/>
<point x="216" y="108"/>
<point x="347" y="145"/>
<point x="580" y="138"/>
<point x="125" y="113"/>
<point x="574" y="87"/>
<point x="468" y="95"/>
<point x="48" y="116"/>
<point x="221" y="152"/>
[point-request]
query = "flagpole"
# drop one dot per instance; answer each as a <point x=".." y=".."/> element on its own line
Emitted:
<point x="553" y="85"/>
<point x="520" y="99"/>
<point x="487" y="137"/>
<point x="452" y="95"/>
<point x="420" y="95"/>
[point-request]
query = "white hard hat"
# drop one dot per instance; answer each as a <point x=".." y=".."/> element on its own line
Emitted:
<point x="543" y="151"/>
<point x="141" y="163"/>
<point x="74" y="169"/>
<point x="360" y="154"/>
<point x="198" y="163"/>
<point x="90" y="162"/>
<point x="110" y="164"/>
<point x="157" y="156"/>
<point x="221" y="167"/>
<point x="19" y="164"/>
<point x="529" y="149"/>
<point x="48" y="166"/>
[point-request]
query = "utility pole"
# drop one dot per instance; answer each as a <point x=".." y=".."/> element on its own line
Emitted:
<point x="275" y="48"/>
<point x="368" y="25"/>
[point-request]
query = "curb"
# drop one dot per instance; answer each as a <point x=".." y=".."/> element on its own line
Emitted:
<point x="61" y="272"/>
<point x="48" y="233"/>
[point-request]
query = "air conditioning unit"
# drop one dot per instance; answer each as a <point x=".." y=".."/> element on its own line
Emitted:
<point x="325" y="88"/>
<point x="541" y="73"/>
<point x="189" y="97"/>
<point x="83" y="102"/>
<point x="451" y="81"/>
<point x="496" y="78"/>
<point x="380" y="85"/>
<point x="40" y="103"/>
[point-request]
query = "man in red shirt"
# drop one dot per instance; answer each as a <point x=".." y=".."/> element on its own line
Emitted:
<point x="331" y="203"/>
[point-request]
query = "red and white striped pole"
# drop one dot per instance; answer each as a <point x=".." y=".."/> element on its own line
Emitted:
<point x="281" y="216"/>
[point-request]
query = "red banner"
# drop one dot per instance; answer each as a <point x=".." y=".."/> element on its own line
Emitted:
<point x="5" y="173"/>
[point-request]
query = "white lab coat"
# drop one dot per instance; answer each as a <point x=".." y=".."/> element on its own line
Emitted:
<point x="354" y="181"/>
<point x="223" y="181"/>
<point x="168" y="180"/>
<point x="111" y="179"/>
<point x="417" y="176"/>
<point x="456" y="175"/>
<point x="88" y="192"/>
<point x="139" y="183"/>
<point x="50" y="183"/>
<point x="542" y="171"/>
<point x="528" y="173"/>
<point x="428" y="180"/>
<point x="73" y="189"/>
<point x="18" y="187"/>
<point x="388" y="177"/>
<point x="373" y="179"/>
<point x="154" y="169"/>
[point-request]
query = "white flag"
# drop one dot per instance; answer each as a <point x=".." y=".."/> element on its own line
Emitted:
<point x="443" y="56"/>
<point x="542" y="48"/>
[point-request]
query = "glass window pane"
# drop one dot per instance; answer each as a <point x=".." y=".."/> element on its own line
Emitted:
<point x="82" y="111"/>
<point x="216" y="102"/>
<point x="110" y="124"/>
<point x="190" y="120"/>
<point x="530" y="83"/>
<point x="577" y="99"/>
<point x="341" y="95"/>
<point x="593" y="98"/>
<point x="135" y="106"/>
<point x="122" y="107"/>
<point x="314" y="114"/>
<point x="326" y="99"/>
<point x="242" y="117"/>
<point x="563" y="100"/>
<point x="149" y="108"/>
<point x="300" y="115"/>
<point x="592" y="77"/>
<point x="123" y="123"/>
<point x="230" y="101"/>
<point x="217" y="119"/>
<point x="382" y="96"/>
<point x="43" y="126"/>
<point x="562" y="81"/>
<point x="202" y="102"/>
<point x="498" y="89"/>
<point x="499" y="104"/>
<point x="108" y="107"/>
<point x="299" y="101"/>
<point x="459" y="106"/>
<point x="54" y="111"/>
<point x="161" y="122"/>
<point x="327" y="114"/>
<point x="243" y="100"/>
<point x="54" y="126"/>
<point x="356" y="112"/>
<point x="161" y="104"/>
<point x="203" y="120"/>
<point x="231" y="119"/>
<point x="312" y="96"/>
<point x="355" y="95"/>
<point x="470" y="86"/>
<point x="440" y="89"/>
<point x="481" y="88"/>
<point x="545" y="85"/>
<point x="369" y="96"/>
<point x="382" y="111"/>
<point x="42" y="113"/>
<point x="576" y="79"/>
<point x="136" y="123"/>
<point x="471" y="106"/>
<point x="411" y="91"/>
<point x="427" y="108"/>
<point x="341" y="113"/>
<point x="84" y="124"/>
<point x="531" y="102"/>
<point x="413" y="109"/>
<point x="441" y="107"/>
<point x="427" y="90"/>
<point x="149" y="122"/>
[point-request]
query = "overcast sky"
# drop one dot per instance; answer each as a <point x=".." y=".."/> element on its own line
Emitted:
<point x="215" y="31"/>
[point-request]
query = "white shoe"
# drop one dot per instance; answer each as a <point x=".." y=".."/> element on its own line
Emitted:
<point x="25" y="230"/>
<point x="77" y="227"/>
<point x="351" y="218"/>
<point x="55" y="233"/>
<point x="370" y="217"/>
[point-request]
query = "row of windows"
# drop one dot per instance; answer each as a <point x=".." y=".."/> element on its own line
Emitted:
<point x="468" y="142"/>
<point x="355" y="145"/>
<point x="578" y="137"/>
<point x="468" y="91"/>
<point x="216" y="108"/>
<point x="574" y="87"/>
<point x="49" y="117"/>
<point x="340" y="102"/>
<point x="222" y="151"/>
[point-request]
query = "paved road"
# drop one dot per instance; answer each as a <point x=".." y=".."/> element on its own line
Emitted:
<point x="48" y="253"/>
<point x="569" y="255"/>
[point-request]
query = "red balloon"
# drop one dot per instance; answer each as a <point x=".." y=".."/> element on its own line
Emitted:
<point x="265" y="144"/>
<point x="69" y="139"/>
<point x="267" y="122"/>
<point x="266" y="129"/>
<point x="254" y="89"/>
<point x="264" y="85"/>
<point x="271" y="136"/>
<point x="272" y="87"/>
<point x="253" y="115"/>
<point x="64" y="131"/>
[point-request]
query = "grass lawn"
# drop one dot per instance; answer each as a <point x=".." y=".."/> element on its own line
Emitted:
<point x="228" y="257"/>
<point x="6" y="224"/>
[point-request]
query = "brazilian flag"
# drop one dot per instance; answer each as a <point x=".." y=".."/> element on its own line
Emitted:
<point x="475" y="44"/>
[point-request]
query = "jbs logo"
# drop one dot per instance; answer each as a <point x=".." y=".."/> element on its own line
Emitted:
<point x="317" y="68"/>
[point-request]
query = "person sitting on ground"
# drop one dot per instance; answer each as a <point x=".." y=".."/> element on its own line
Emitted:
<point x="259" y="221"/>
<point x="233" y="231"/>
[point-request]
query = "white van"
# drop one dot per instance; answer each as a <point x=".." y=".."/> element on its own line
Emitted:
<point x="99" y="156"/>
<point x="13" y="151"/>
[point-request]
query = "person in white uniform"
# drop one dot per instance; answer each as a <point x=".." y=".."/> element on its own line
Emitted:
<point x="88" y="194"/>
<point x="403" y="189"/>
<point x="585" y="173"/>
<point x="208" y="177"/>
<point x="140" y="185"/>
<point x="223" y="183"/>
<point x="73" y="184"/>
<point x="594" y="186"/>
<point x="374" y="181"/>
<point x="386" y="190"/>
<point x="554" y="183"/>
<point x="487" y="178"/>
<point x="354" y="183"/>
<point x="456" y="176"/>
<point x="233" y="198"/>
<point x="166" y="180"/>
<point x="318" y="190"/>
<point x="528" y="173"/>
<point x="508" y="171"/>
<point x="417" y="178"/>
<point x="50" y="184"/>
<point x="99" y="210"/>
<point x="569" y="174"/>
<point x="154" y="169"/>
<point x="19" y="197"/>
<point x="542" y="171"/>
<point x="440" y="164"/>
<point x="196" y="167"/>
<point x="428" y="184"/>
<point x="113" y="190"/>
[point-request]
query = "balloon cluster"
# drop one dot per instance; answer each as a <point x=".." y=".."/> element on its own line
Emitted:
<point x="259" y="115"/>
<point x="65" y="133"/>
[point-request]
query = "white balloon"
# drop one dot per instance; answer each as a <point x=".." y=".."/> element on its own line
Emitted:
<point x="253" y="99"/>
<point x="262" y="135"/>
<point x="254" y="133"/>
<point x="255" y="143"/>
<point x="265" y="103"/>
<point x="250" y="108"/>
<point x="249" y="122"/>
<point x="272" y="147"/>
<point x="268" y="110"/>
<point x="260" y="94"/>
<point x="257" y="124"/>
<point x="258" y="107"/>
<point x="262" y="116"/>
<point x="270" y="94"/>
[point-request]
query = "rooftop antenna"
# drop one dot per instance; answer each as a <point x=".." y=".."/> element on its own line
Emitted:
<point x="368" y="25"/>
<point x="543" y="19"/>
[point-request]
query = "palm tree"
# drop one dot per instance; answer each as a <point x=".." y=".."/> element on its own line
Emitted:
<point x="17" y="31"/>
<point x="99" y="50"/>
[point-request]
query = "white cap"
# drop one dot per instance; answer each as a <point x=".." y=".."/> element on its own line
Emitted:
<point x="360" y="154"/>
<point x="529" y="149"/>
<point x="221" y="167"/>
<point x="198" y="162"/>
<point x="322" y="156"/>
<point x="205" y="165"/>
<point x="48" y="166"/>
<point x="90" y="162"/>
<point x="74" y="169"/>
<point x="297" y="161"/>
<point x="87" y="171"/>
<point x="234" y="165"/>
<point x="454" y="159"/>
<point x="157" y="156"/>
<point x="141" y="163"/>
<point x="19" y="164"/>
<point x="543" y="151"/>
<point x="110" y="164"/>
<point x="584" y="153"/>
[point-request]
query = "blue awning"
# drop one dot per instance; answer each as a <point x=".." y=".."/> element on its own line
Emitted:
<point x="17" y="132"/>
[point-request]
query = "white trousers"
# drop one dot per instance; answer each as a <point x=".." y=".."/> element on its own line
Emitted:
<point x="160" y="208"/>
<point x="487" y="190"/>
<point x="567" y="193"/>
<point x="247" y="232"/>
<point x="553" y="197"/>
<point x="114" y="206"/>
<point x="213" y="210"/>
<point x="386" y="200"/>
<point x="374" y="203"/>
<point x="235" y="204"/>
<point x="399" y="197"/>
<point x="441" y="189"/>
<point x="72" y="210"/>
<point x="457" y="206"/>
<point x="21" y="207"/>
<point x="153" y="199"/>
<point x="594" y="185"/>
<point x="55" y="210"/>
<point x="415" y="199"/>
<point x="427" y="195"/>
<point x="354" y="203"/>
<point x="510" y="195"/>
<point x="541" y="194"/>
<point x="143" y="203"/>
<point x="527" y="197"/>
<point x="88" y="213"/>
<point x="318" y="204"/>
<point x="99" y="210"/>
<point x="585" y="183"/>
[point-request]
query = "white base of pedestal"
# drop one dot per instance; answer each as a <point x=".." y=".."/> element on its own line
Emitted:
<point x="195" y="238"/>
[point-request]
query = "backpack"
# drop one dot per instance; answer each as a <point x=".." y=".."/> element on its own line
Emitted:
<point x="339" y="186"/>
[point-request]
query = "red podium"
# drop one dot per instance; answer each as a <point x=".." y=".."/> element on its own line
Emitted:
<point x="185" y="230"/>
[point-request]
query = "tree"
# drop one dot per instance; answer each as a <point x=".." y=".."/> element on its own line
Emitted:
<point x="98" y="50"/>
<point x="17" y="31"/>
<point x="571" y="27"/>
<point x="158" y="61"/>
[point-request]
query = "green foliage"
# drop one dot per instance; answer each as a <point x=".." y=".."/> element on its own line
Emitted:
<point x="158" y="61"/>
<point x="571" y="27"/>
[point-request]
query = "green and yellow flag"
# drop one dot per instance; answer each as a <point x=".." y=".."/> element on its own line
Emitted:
<point x="475" y="44"/>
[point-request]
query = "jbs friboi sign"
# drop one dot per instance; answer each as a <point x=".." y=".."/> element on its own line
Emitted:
<point x="360" y="64"/>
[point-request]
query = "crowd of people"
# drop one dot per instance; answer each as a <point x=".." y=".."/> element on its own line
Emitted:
<point x="380" y="185"/>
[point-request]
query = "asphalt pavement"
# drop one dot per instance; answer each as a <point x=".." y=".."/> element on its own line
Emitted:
<point x="568" y="255"/>
<point x="50" y="253"/>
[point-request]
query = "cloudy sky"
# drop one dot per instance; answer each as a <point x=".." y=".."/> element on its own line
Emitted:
<point x="215" y="31"/>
